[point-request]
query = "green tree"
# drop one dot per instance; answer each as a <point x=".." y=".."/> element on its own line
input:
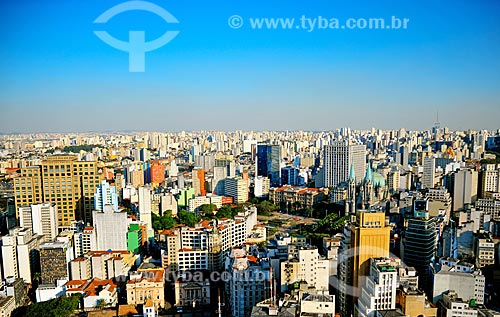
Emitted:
<point x="265" y="208"/>
<point x="187" y="218"/>
<point x="166" y="221"/>
<point x="224" y="212"/>
<point x="59" y="307"/>
<point x="207" y="209"/>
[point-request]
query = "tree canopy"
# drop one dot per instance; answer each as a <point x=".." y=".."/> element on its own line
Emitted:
<point x="163" y="222"/>
<point x="265" y="208"/>
<point x="58" y="307"/>
<point x="187" y="218"/>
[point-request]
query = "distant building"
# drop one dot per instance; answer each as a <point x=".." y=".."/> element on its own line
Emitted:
<point x="467" y="282"/>
<point x="268" y="163"/>
<point x="95" y="292"/>
<point x="261" y="186"/>
<point x="191" y="292"/>
<point x="157" y="173"/>
<point x="429" y="175"/>
<point x="452" y="305"/>
<point x="296" y="197"/>
<point x="307" y="267"/>
<point x="145" y="209"/>
<point x="338" y="159"/>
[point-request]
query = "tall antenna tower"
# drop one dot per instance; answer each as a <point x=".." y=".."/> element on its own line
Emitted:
<point x="437" y="123"/>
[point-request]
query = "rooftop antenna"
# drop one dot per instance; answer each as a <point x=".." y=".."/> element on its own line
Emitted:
<point x="219" y="310"/>
<point x="437" y="124"/>
<point x="271" y="285"/>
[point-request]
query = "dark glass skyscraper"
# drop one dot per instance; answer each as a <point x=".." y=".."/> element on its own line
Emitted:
<point x="420" y="248"/>
<point x="268" y="163"/>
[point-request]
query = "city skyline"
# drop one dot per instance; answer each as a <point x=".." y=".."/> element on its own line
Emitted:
<point x="57" y="76"/>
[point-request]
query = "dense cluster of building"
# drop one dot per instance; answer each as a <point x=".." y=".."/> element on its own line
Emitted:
<point x="101" y="216"/>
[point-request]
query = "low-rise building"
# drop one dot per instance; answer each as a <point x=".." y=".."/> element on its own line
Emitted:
<point x="96" y="292"/>
<point x="146" y="285"/>
<point x="192" y="289"/>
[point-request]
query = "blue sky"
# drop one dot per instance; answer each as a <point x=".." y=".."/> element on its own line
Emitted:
<point x="56" y="75"/>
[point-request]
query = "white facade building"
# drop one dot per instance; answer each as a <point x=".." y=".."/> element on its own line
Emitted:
<point x="338" y="159"/>
<point x="111" y="229"/>
<point x="41" y="218"/>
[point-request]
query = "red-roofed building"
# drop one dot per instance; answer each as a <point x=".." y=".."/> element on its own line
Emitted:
<point x="296" y="197"/>
<point x="94" y="291"/>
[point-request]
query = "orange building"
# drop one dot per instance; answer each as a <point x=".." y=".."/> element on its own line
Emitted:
<point x="157" y="172"/>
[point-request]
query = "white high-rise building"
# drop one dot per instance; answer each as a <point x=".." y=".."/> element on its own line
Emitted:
<point x="111" y="229"/>
<point x="429" y="172"/>
<point x="379" y="292"/>
<point x="307" y="267"/>
<point x="20" y="253"/>
<point x="105" y="195"/>
<point x="338" y="159"/>
<point x="85" y="240"/>
<point x="41" y="218"/>
<point x="490" y="179"/>
<point x="145" y="209"/>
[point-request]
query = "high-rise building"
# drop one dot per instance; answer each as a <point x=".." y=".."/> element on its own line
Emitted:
<point x="268" y="163"/>
<point x="490" y="179"/>
<point x="306" y="267"/>
<point x="111" y="229"/>
<point x="419" y="246"/>
<point x="261" y="186"/>
<point x="41" y="218"/>
<point x="290" y="176"/>
<point x="237" y="188"/>
<point x="370" y="236"/>
<point x="429" y="172"/>
<point x="379" y="291"/>
<point x="249" y="282"/>
<point x="404" y="156"/>
<point x="54" y="259"/>
<point x="145" y="209"/>
<point x="20" y="255"/>
<point x="393" y="180"/>
<point x="462" y="185"/>
<point x="157" y="173"/>
<point x="84" y="240"/>
<point x="198" y="178"/>
<point x="105" y="195"/>
<point x="62" y="180"/>
<point x="338" y="159"/>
